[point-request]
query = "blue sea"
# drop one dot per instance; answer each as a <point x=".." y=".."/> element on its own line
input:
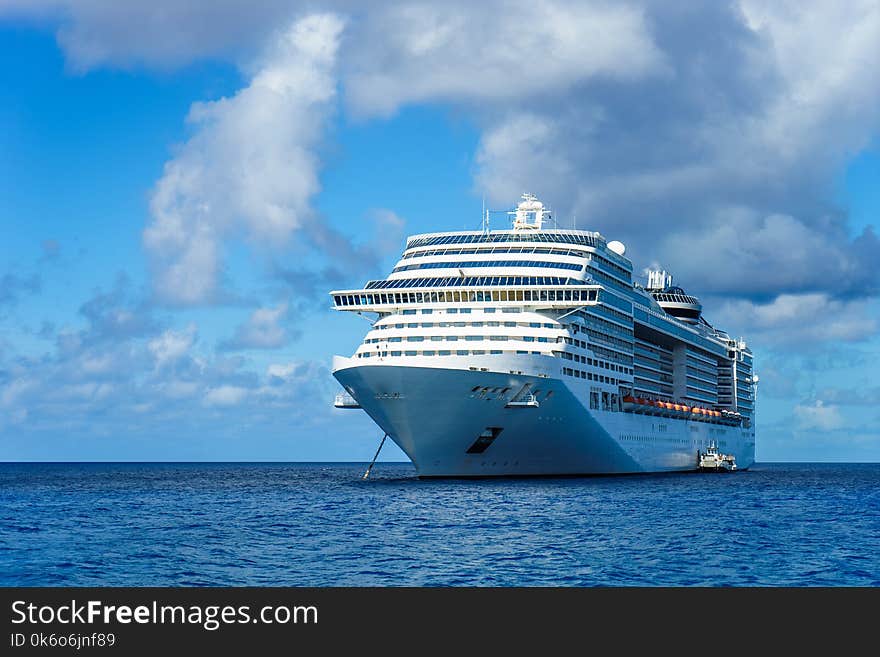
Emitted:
<point x="320" y="524"/>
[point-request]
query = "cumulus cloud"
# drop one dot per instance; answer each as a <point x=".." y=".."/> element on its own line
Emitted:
<point x="799" y="322"/>
<point x="818" y="415"/>
<point x="497" y="52"/>
<point x="738" y="252"/>
<point x="648" y="121"/>
<point x="171" y="345"/>
<point x="262" y="330"/>
<point x="125" y="370"/>
<point x="250" y="168"/>
<point x="161" y="34"/>
<point x="225" y="396"/>
<point x="746" y="121"/>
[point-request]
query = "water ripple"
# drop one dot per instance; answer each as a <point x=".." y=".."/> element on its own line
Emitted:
<point x="321" y="525"/>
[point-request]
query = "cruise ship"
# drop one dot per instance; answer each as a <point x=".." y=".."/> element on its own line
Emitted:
<point x="533" y="351"/>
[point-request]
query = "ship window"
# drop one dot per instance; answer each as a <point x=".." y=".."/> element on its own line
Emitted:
<point x="395" y="353"/>
<point x="428" y="353"/>
<point x="410" y="353"/>
<point x="444" y="352"/>
<point x="451" y="338"/>
<point x="496" y="351"/>
<point x="462" y="352"/>
<point x="427" y="311"/>
<point x="488" y="310"/>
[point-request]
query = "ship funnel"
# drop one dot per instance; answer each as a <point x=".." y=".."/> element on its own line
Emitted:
<point x="659" y="279"/>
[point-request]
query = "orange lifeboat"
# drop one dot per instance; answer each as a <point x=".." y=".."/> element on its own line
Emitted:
<point x="628" y="399"/>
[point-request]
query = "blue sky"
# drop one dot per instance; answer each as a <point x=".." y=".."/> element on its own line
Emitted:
<point x="181" y="186"/>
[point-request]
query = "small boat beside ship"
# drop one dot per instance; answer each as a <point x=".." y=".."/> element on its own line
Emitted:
<point x="714" y="461"/>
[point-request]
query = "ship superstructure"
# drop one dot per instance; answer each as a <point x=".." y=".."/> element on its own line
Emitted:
<point x="531" y="351"/>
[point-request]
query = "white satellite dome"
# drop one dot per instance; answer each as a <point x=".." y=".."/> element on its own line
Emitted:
<point x="617" y="247"/>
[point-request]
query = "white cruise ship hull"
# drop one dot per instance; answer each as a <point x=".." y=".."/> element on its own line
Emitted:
<point x="437" y="414"/>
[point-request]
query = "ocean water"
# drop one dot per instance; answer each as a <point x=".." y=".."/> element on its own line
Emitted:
<point x="319" y="524"/>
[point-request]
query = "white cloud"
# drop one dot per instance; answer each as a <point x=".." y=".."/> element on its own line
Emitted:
<point x="818" y="416"/>
<point x="161" y="34"/>
<point x="516" y="153"/>
<point x="250" y="169"/>
<point x="645" y="120"/>
<point x="493" y="51"/>
<point x="799" y="322"/>
<point x="281" y="370"/>
<point x="262" y="330"/>
<point x="225" y="396"/>
<point x="757" y="114"/>
<point x="172" y="345"/>
<point x="737" y="251"/>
